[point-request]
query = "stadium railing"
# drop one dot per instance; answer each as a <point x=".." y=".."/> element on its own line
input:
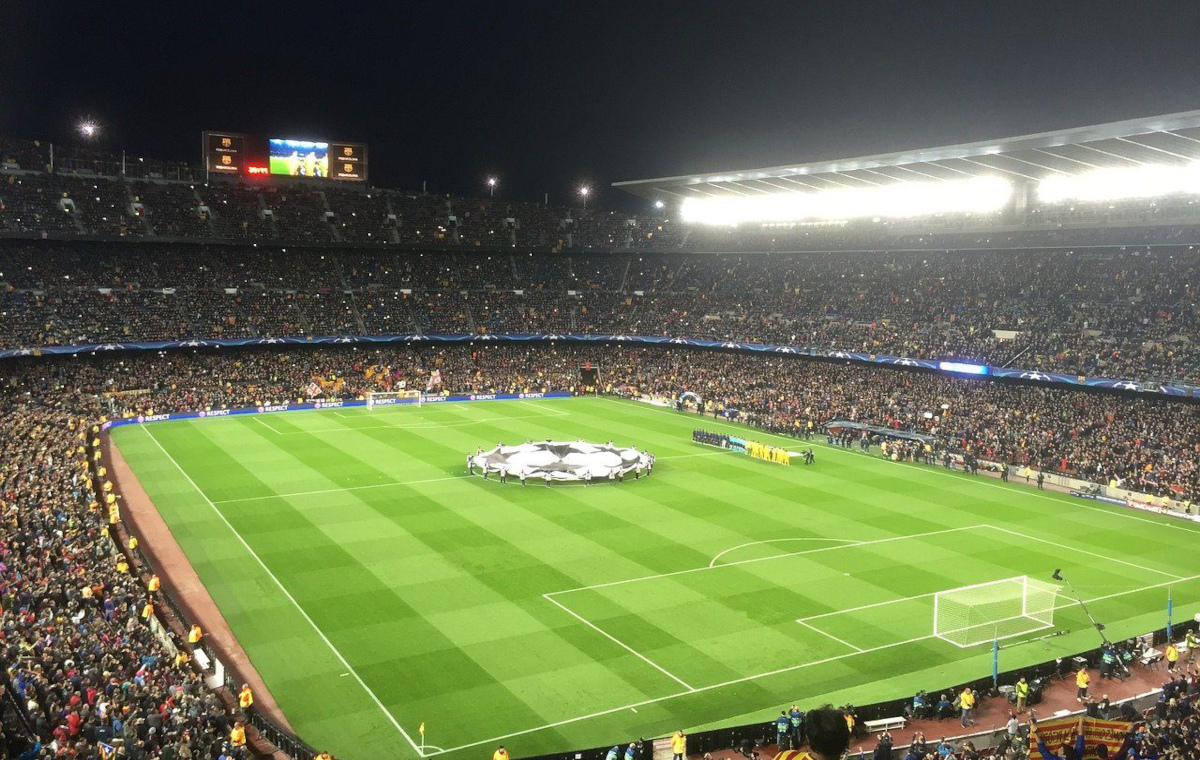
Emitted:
<point x="19" y="731"/>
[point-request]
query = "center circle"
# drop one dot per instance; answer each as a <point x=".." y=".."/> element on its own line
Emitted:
<point x="561" y="461"/>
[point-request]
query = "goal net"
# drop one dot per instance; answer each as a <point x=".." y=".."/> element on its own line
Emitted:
<point x="995" y="610"/>
<point x="388" y="398"/>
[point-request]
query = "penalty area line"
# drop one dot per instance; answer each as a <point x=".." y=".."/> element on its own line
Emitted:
<point x="1077" y="550"/>
<point x="279" y="584"/>
<point x="619" y="643"/>
<point x="790" y="668"/>
<point x="752" y="560"/>
<point x="830" y="635"/>
<point x="843" y="541"/>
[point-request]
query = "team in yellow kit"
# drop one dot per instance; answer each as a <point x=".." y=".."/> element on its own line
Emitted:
<point x="769" y="453"/>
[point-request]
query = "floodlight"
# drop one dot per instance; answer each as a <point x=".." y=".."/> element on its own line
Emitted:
<point x="1146" y="181"/>
<point x="88" y="129"/>
<point x="896" y="200"/>
<point x="659" y="204"/>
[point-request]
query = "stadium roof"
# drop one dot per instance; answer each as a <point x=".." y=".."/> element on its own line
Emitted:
<point x="1172" y="140"/>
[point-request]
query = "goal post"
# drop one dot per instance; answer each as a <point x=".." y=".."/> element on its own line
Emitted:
<point x="389" y="398"/>
<point x="1000" y="609"/>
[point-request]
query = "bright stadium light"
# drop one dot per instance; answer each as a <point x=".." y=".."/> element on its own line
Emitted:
<point x="584" y="192"/>
<point x="491" y="186"/>
<point x="659" y="204"/>
<point x="901" y="199"/>
<point x="88" y="129"/>
<point x="1148" y="181"/>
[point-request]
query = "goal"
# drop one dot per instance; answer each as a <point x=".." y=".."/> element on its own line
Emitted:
<point x="388" y="398"/>
<point x="1000" y="609"/>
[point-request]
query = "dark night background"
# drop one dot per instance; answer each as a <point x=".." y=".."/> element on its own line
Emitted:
<point x="548" y="95"/>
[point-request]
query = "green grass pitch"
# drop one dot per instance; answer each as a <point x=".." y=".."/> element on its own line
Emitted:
<point x="376" y="586"/>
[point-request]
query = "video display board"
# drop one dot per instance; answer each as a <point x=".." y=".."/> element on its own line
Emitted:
<point x="311" y="158"/>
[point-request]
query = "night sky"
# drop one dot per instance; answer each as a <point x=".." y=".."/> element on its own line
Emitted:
<point x="549" y="95"/>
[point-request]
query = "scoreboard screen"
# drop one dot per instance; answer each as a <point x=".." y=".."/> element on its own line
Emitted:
<point x="299" y="158"/>
<point x="238" y="155"/>
<point x="309" y="158"/>
<point x="224" y="153"/>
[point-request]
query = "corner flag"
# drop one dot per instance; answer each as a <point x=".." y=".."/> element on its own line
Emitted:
<point x="421" y="730"/>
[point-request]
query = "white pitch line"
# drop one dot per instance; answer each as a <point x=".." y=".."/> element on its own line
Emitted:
<point x="744" y="679"/>
<point x="830" y="635"/>
<point x="865" y="606"/>
<point x="620" y="643"/>
<point x="417" y="426"/>
<point x="764" y="559"/>
<point x="697" y="690"/>
<point x="349" y="668"/>
<point x="545" y="412"/>
<point x="1077" y="550"/>
<point x="260" y="421"/>
<point x="845" y="541"/>
<point x="388" y="484"/>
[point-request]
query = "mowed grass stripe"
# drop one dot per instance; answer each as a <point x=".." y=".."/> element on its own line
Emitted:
<point x="976" y="494"/>
<point x="363" y="617"/>
<point x="269" y="627"/>
<point x="329" y="584"/>
<point x="474" y="541"/>
<point x="690" y="511"/>
<point x="569" y="513"/>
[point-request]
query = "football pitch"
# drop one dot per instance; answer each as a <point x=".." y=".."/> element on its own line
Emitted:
<point x="377" y="587"/>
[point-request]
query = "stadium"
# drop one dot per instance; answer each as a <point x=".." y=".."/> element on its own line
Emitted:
<point x="828" y="457"/>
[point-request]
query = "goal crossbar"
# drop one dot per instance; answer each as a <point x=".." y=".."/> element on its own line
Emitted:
<point x="1000" y="609"/>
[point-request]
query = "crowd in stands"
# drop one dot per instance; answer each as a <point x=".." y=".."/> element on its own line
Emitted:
<point x="1147" y="444"/>
<point x="88" y="670"/>
<point x="235" y="261"/>
<point x="103" y="187"/>
<point x="1127" y="314"/>
<point x="103" y="206"/>
<point x="27" y="155"/>
<point x="82" y="660"/>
